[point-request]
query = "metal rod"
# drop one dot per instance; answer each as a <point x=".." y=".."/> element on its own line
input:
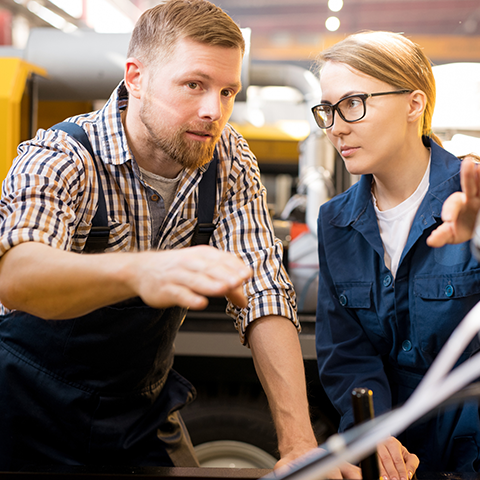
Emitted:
<point x="362" y="400"/>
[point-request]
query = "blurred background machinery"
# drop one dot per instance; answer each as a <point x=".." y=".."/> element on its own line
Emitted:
<point x="49" y="72"/>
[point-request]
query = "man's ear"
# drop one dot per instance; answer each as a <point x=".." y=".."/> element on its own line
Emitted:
<point x="417" y="105"/>
<point x="134" y="73"/>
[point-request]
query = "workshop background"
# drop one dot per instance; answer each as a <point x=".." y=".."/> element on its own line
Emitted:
<point x="63" y="57"/>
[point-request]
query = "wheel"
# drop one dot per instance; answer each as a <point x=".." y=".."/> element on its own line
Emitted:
<point x="229" y="453"/>
<point x="232" y="428"/>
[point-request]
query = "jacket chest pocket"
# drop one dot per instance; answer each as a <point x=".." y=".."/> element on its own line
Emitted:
<point x="356" y="297"/>
<point x="440" y="304"/>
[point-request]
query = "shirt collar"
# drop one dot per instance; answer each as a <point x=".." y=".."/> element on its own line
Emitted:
<point x="113" y="140"/>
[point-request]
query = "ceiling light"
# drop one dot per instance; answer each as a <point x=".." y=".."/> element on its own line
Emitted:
<point x="105" y="17"/>
<point x="332" y="24"/>
<point x="50" y="17"/>
<point x="72" y="7"/>
<point x="335" y="5"/>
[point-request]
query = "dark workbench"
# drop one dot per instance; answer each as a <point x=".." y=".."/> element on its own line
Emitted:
<point x="178" y="473"/>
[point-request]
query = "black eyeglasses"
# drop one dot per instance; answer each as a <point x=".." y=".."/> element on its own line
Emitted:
<point x="351" y="108"/>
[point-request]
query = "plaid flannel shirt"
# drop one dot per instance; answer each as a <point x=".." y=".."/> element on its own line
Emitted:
<point x="51" y="192"/>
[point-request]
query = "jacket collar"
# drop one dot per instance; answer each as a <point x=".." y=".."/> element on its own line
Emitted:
<point x="359" y="213"/>
<point x="444" y="180"/>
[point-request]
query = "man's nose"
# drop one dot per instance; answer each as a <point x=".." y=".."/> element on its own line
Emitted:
<point x="211" y="107"/>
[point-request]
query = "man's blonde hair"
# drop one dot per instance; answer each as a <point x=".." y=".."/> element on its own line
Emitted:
<point x="393" y="59"/>
<point x="158" y="29"/>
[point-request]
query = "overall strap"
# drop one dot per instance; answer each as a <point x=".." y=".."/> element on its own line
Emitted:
<point x="98" y="237"/>
<point x="207" y="196"/>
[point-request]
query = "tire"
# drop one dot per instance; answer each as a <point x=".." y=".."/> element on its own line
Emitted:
<point x="232" y="454"/>
<point x="232" y="428"/>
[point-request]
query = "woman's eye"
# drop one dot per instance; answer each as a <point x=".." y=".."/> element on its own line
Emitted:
<point x="354" y="102"/>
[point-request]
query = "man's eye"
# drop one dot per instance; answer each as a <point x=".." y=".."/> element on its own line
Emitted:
<point x="192" y="85"/>
<point x="227" y="93"/>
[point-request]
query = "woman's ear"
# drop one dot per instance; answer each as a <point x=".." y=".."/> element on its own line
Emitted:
<point x="417" y="105"/>
<point x="134" y="73"/>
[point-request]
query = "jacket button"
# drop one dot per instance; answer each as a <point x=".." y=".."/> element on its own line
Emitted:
<point x="343" y="300"/>
<point x="154" y="198"/>
<point x="449" y="290"/>
<point x="406" y="345"/>
<point x="387" y="280"/>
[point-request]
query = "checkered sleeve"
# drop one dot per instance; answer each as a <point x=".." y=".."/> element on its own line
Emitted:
<point x="44" y="193"/>
<point x="245" y="228"/>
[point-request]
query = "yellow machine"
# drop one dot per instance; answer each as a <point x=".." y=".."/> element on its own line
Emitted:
<point x="15" y="107"/>
<point x="21" y="112"/>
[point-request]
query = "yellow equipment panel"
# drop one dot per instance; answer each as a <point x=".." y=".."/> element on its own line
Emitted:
<point x="14" y="76"/>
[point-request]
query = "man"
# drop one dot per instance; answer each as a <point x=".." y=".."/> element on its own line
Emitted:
<point x="86" y="341"/>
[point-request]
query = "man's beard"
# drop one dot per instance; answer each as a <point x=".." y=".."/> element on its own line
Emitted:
<point x="188" y="154"/>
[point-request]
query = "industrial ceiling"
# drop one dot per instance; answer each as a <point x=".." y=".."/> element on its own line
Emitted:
<point x="293" y="30"/>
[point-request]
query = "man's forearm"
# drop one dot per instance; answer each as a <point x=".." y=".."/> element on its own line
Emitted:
<point x="279" y="363"/>
<point x="55" y="284"/>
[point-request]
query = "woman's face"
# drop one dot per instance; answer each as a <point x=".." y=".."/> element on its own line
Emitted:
<point x="375" y="143"/>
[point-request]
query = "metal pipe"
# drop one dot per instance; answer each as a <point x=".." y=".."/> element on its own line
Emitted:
<point x="83" y="65"/>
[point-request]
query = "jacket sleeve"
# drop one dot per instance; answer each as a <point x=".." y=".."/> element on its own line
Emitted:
<point x="347" y="359"/>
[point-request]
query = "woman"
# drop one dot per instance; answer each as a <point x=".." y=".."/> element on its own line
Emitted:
<point x="387" y="301"/>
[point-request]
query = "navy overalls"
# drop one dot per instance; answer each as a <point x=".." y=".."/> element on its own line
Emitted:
<point x="89" y="391"/>
<point x="94" y="390"/>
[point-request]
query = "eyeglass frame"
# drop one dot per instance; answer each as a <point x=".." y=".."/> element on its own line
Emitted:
<point x="362" y="96"/>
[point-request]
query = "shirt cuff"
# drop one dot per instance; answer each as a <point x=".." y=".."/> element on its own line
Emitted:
<point x="262" y="306"/>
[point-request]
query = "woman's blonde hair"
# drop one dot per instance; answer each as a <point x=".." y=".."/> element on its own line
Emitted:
<point x="158" y="29"/>
<point x="393" y="59"/>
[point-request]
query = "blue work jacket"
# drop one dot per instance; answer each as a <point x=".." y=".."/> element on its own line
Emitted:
<point x="383" y="333"/>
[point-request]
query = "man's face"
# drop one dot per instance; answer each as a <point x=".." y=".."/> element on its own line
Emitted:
<point x="188" y="100"/>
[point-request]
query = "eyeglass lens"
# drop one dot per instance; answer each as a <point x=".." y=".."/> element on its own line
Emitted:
<point x="351" y="109"/>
